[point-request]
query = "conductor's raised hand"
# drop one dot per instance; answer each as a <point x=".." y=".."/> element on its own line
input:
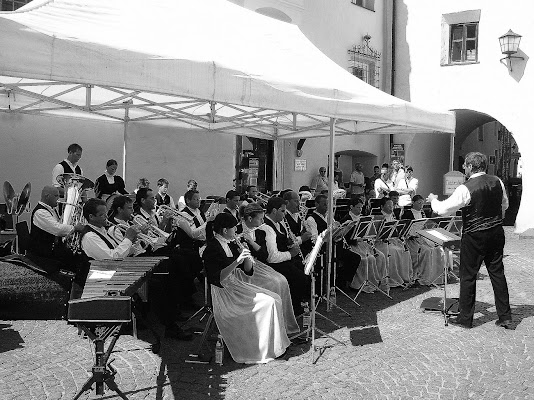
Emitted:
<point x="431" y="197"/>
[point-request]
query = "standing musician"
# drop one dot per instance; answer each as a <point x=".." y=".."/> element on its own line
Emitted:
<point x="280" y="256"/>
<point x="98" y="244"/>
<point x="399" y="260"/>
<point x="372" y="263"/>
<point x="47" y="231"/>
<point x="295" y="222"/>
<point x="162" y="197"/>
<point x="483" y="202"/>
<point x="68" y="165"/>
<point x="109" y="183"/>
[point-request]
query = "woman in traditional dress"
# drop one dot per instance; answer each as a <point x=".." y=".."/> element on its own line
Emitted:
<point x="109" y="183"/>
<point x="250" y="318"/>
<point x="264" y="276"/>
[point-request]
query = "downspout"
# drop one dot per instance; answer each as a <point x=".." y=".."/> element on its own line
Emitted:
<point x="393" y="36"/>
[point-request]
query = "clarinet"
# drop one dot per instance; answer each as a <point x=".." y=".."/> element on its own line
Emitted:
<point x="292" y="236"/>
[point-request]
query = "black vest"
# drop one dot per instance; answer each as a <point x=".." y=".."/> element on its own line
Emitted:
<point x="281" y="236"/>
<point x="485" y="208"/>
<point x="184" y="239"/>
<point x="321" y="223"/>
<point x="239" y="227"/>
<point x="88" y="229"/>
<point x="68" y="170"/>
<point x="42" y="243"/>
<point x="295" y="226"/>
<point x="163" y="201"/>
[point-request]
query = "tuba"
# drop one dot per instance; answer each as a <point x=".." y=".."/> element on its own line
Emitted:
<point x="73" y="185"/>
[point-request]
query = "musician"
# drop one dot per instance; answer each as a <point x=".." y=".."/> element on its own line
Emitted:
<point x="68" y="165"/>
<point x="372" y="179"/>
<point x="47" y="231"/>
<point x="191" y="185"/>
<point x="319" y="182"/>
<point x="427" y="261"/>
<point x="250" y="318"/>
<point x="162" y="197"/>
<point x="250" y="195"/>
<point x="109" y="183"/>
<point x="142" y="183"/>
<point x="397" y="209"/>
<point x="483" y="202"/>
<point x="372" y="262"/>
<point x="357" y="181"/>
<point x="317" y="221"/>
<point x="295" y="222"/>
<point x="399" y="262"/>
<point x="145" y="205"/>
<point x="397" y="172"/>
<point x="98" y="244"/>
<point x="280" y="256"/>
<point x="383" y="185"/>
<point x="232" y="204"/>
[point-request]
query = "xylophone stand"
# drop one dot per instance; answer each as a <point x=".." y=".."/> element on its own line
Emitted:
<point x="102" y="371"/>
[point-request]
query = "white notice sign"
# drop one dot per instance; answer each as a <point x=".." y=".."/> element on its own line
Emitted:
<point x="300" y="165"/>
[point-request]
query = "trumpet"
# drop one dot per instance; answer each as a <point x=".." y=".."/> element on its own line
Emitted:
<point x="155" y="231"/>
<point x="262" y="198"/>
<point x="176" y="215"/>
<point x="140" y="245"/>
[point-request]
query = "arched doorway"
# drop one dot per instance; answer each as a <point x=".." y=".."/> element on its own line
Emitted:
<point x="347" y="158"/>
<point x="480" y="132"/>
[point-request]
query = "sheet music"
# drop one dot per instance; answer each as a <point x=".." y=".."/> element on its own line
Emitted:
<point x="315" y="251"/>
<point x="98" y="274"/>
<point x="438" y="234"/>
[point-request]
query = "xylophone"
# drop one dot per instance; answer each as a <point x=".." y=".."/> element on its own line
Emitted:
<point x="104" y="304"/>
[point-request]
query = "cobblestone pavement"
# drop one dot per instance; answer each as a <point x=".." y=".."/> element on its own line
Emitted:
<point x="392" y="350"/>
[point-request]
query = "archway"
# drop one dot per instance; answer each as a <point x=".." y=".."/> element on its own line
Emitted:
<point x="476" y="131"/>
<point x="347" y="158"/>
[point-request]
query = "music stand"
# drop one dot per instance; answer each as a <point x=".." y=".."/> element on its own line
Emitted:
<point x="309" y="269"/>
<point x="448" y="242"/>
<point x="361" y="232"/>
<point x="205" y="204"/>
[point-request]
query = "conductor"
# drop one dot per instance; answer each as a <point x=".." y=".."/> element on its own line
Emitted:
<point x="483" y="201"/>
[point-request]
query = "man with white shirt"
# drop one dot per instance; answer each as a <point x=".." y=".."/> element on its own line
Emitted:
<point x="279" y="254"/>
<point x="357" y="181"/>
<point x="295" y="222"/>
<point x="96" y="242"/>
<point x="483" y="201"/>
<point x="68" y="165"/>
<point x="47" y="231"/>
<point x="145" y="206"/>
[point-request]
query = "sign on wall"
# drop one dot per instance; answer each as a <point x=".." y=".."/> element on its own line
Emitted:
<point x="397" y="152"/>
<point x="300" y="164"/>
<point x="451" y="180"/>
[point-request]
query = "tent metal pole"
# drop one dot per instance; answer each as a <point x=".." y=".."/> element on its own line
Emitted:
<point x="275" y="158"/>
<point x="329" y="265"/>
<point x="451" y="157"/>
<point x="124" y="139"/>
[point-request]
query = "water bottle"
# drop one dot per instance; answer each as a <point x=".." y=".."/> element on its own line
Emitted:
<point x="306" y="318"/>
<point x="219" y="350"/>
<point x="333" y="295"/>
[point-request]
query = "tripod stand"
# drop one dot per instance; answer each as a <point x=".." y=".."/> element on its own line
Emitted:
<point x="330" y="291"/>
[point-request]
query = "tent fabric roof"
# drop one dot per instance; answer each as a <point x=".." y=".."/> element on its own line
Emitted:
<point x="208" y="63"/>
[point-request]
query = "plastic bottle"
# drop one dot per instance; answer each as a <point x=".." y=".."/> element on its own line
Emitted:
<point x="306" y="318"/>
<point x="219" y="350"/>
<point x="333" y="295"/>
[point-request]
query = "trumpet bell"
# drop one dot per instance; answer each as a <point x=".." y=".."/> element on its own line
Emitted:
<point x="24" y="198"/>
<point x="9" y="197"/>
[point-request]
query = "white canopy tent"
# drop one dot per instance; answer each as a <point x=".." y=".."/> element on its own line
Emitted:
<point x="208" y="64"/>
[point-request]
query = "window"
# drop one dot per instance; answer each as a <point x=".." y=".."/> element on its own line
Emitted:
<point x="369" y="4"/>
<point x="12" y="5"/>
<point x="364" y="62"/>
<point x="463" y="43"/>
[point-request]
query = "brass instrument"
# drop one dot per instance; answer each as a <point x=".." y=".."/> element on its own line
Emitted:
<point x="139" y="246"/>
<point x="155" y="232"/>
<point x="213" y="210"/>
<point x="175" y="213"/>
<point x="74" y="185"/>
<point x="262" y="198"/>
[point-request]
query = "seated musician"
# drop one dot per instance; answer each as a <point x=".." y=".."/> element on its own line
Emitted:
<point x="397" y="209"/>
<point x="142" y="183"/>
<point x="264" y="276"/>
<point x="249" y="318"/>
<point x="372" y="264"/>
<point x="316" y="223"/>
<point x="232" y="204"/>
<point x="427" y="258"/>
<point x="399" y="262"/>
<point x="98" y="244"/>
<point x="46" y="233"/>
<point x="250" y="196"/>
<point x="109" y="183"/>
<point x="191" y="185"/>
<point x="162" y="197"/>
<point x="296" y="223"/>
<point x="280" y="256"/>
<point x="145" y="206"/>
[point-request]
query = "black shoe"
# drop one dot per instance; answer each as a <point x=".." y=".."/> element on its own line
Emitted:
<point x="505" y="323"/>
<point x="461" y="324"/>
<point x="175" y="332"/>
